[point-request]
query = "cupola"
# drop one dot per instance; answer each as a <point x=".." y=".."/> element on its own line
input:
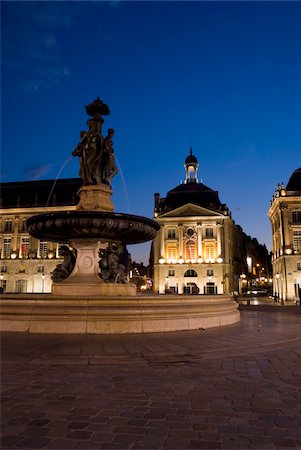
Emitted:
<point x="191" y="167"/>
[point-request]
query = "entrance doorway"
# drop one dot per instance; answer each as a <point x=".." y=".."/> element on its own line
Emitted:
<point x="210" y="288"/>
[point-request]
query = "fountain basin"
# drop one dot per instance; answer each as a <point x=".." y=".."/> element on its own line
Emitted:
<point x="103" y="315"/>
<point x="70" y="226"/>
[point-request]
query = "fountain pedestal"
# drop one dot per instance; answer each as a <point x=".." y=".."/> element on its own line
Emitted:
<point x="95" y="197"/>
<point x="84" y="280"/>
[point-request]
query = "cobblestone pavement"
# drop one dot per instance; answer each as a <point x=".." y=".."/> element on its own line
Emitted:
<point x="237" y="387"/>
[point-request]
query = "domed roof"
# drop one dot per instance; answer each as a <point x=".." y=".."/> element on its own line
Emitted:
<point x="196" y="193"/>
<point x="191" y="158"/>
<point x="294" y="183"/>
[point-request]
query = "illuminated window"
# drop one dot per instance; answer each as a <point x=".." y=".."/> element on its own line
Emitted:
<point x="171" y="253"/>
<point x="209" y="252"/>
<point x="171" y="233"/>
<point x="297" y="240"/>
<point x="190" y="273"/>
<point x="24" y="248"/>
<point x="190" y="250"/>
<point x="6" y="248"/>
<point x="43" y="248"/>
<point x="171" y="272"/>
<point x="296" y="216"/>
<point x="209" y="232"/>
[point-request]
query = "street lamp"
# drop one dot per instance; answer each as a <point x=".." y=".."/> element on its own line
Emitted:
<point x="43" y="281"/>
<point x="277" y="278"/>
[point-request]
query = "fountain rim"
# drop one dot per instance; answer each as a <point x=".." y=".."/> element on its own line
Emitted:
<point x="92" y="215"/>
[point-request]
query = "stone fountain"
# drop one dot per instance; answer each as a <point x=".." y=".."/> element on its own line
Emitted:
<point x="94" y="262"/>
<point x="91" y="290"/>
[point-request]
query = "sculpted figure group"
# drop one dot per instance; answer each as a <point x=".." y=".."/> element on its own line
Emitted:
<point x="97" y="164"/>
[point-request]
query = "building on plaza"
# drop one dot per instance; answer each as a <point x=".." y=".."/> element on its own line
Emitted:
<point x="25" y="262"/>
<point x="285" y="217"/>
<point x="199" y="248"/>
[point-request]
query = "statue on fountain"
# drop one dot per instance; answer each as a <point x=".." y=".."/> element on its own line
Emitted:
<point x="97" y="164"/>
<point x="63" y="270"/>
<point x="111" y="269"/>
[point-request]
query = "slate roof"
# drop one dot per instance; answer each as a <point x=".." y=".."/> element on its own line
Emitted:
<point x="294" y="183"/>
<point x="26" y="194"/>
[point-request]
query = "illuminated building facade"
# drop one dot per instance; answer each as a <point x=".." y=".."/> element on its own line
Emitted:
<point x="194" y="250"/>
<point x="25" y="262"/>
<point x="285" y="217"/>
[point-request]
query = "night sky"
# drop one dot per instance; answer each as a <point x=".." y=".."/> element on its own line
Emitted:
<point x="223" y="77"/>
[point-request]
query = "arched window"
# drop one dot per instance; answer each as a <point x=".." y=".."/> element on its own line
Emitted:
<point x="190" y="273"/>
<point x="190" y="250"/>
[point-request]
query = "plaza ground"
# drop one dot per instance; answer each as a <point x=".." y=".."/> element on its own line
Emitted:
<point x="235" y="387"/>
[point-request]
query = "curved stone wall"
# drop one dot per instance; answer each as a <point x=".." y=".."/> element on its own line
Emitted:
<point x="114" y="315"/>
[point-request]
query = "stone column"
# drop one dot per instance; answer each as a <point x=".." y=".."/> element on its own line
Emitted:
<point x="181" y="241"/>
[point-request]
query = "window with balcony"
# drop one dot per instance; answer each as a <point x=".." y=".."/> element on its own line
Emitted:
<point x="43" y="249"/>
<point x="6" y="248"/>
<point x="297" y="241"/>
<point x="24" y="248"/>
<point x="171" y="253"/>
<point x="209" y="252"/>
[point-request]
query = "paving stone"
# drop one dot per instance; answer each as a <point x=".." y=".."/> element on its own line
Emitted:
<point x="229" y="394"/>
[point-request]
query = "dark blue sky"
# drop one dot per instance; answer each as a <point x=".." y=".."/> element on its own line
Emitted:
<point x="230" y="71"/>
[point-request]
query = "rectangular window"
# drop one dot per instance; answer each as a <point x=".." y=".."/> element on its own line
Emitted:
<point x="171" y="233"/>
<point x="209" y="252"/>
<point x="3" y="269"/>
<point x="296" y="216"/>
<point x="209" y="232"/>
<point x="21" y="286"/>
<point x="171" y="253"/>
<point x="6" y="248"/>
<point x="209" y="272"/>
<point x="299" y="265"/>
<point x="297" y="240"/>
<point x="41" y="269"/>
<point x="43" y="249"/>
<point x="171" y="272"/>
<point x="24" y="248"/>
<point x="8" y="226"/>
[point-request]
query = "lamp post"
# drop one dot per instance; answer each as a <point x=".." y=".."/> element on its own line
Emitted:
<point x="43" y="282"/>
<point x="277" y="278"/>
